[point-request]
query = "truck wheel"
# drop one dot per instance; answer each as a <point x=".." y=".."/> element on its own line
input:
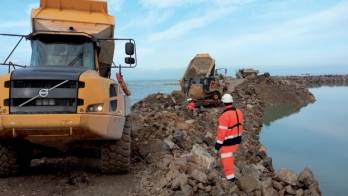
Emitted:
<point x="14" y="160"/>
<point x="115" y="155"/>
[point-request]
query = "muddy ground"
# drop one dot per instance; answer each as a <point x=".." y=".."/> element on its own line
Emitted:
<point x="69" y="176"/>
<point x="173" y="152"/>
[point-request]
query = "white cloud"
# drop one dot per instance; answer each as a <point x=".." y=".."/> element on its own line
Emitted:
<point x="232" y="2"/>
<point x="151" y="19"/>
<point x="294" y="42"/>
<point x="177" y="3"/>
<point x="167" y="3"/>
<point x="312" y="25"/>
<point x="318" y="38"/>
<point x="221" y="8"/>
<point x="115" y="5"/>
<point x="15" y="24"/>
<point x="183" y="27"/>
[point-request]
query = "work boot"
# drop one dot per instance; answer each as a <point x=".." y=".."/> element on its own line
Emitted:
<point x="232" y="179"/>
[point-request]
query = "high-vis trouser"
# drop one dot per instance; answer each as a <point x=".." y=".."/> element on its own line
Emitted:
<point x="227" y="160"/>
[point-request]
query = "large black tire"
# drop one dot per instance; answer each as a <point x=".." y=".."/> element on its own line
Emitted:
<point x="115" y="155"/>
<point x="14" y="159"/>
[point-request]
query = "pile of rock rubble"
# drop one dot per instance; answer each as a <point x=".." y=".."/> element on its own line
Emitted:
<point x="173" y="149"/>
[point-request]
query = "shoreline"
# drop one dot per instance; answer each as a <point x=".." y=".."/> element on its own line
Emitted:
<point x="174" y="169"/>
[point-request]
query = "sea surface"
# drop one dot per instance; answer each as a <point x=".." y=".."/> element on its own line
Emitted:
<point x="142" y="88"/>
<point x="316" y="137"/>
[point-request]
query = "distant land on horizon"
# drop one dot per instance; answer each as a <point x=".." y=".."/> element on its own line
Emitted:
<point x="176" y="74"/>
<point x="140" y="73"/>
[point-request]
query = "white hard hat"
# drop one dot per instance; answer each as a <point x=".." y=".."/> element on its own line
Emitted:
<point x="189" y="99"/>
<point x="227" y="98"/>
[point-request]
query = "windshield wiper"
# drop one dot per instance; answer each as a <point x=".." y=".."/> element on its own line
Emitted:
<point x="75" y="59"/>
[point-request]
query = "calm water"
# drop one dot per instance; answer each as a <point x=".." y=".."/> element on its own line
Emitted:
<point x="142" y="88"/>
<point x="317" y="137"/>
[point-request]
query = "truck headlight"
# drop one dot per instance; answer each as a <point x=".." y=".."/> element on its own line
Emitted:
<point x="95" y="108"/>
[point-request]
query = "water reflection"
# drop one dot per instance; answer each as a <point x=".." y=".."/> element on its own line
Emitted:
<point x="316" y="137"/>
<point x="273" y="113"/>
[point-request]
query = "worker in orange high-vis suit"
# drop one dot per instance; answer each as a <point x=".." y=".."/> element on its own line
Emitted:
<point x="229" y="134"/>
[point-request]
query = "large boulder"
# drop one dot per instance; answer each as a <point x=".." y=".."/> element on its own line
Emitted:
<point x="169" y="144"/>
<point x="248" y="183"/>
<point x="218" y="191"/>
<point x="299" y="192"/>
<point x="277" y="185"/>
<point x="155" y="146"/>
<point x="287" y="176"/>
<point x="185" y="191"/>
<point x="253" y="170"/>
<point x="180" y="182"/>
<point x="199" y="176"/>
<point x="267" y="188"/>
<point x="202" y="157"/>
<point x="165" y="180"/>
<point x="165" y="161"/>
<point x="314" y="190"/>
<point x="290" y="190"/>
<point x="306" y="177"/>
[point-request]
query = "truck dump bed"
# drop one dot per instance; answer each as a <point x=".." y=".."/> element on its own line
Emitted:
<point x="202" y="65"/>
<point x="200" y="80"/>
<point x="71" y="16"/>
<point x="88" y="16"/>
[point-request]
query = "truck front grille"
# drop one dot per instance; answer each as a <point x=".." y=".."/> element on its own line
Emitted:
<point x="26" y="96"/>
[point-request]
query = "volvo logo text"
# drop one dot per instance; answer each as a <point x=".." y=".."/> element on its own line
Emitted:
<point x="43" y="92"/>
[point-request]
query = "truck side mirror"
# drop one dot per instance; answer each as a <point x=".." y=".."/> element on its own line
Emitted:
<point x="130" y="48"/>
<point x="129" y="60"/>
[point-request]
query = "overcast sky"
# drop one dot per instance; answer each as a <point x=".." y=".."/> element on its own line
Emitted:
<point x="269" y="34"/>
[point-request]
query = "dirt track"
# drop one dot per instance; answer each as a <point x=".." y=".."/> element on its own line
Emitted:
<point x="66" y="177"/>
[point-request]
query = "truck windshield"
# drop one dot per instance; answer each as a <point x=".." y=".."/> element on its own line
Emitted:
<point x="79" y="54"/>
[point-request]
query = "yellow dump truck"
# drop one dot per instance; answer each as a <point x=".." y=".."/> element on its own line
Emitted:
<point x="201" y="80"/>
<point x="65" y="101"/>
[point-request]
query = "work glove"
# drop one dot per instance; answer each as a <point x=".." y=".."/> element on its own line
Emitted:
<point x="217" y="146"/>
